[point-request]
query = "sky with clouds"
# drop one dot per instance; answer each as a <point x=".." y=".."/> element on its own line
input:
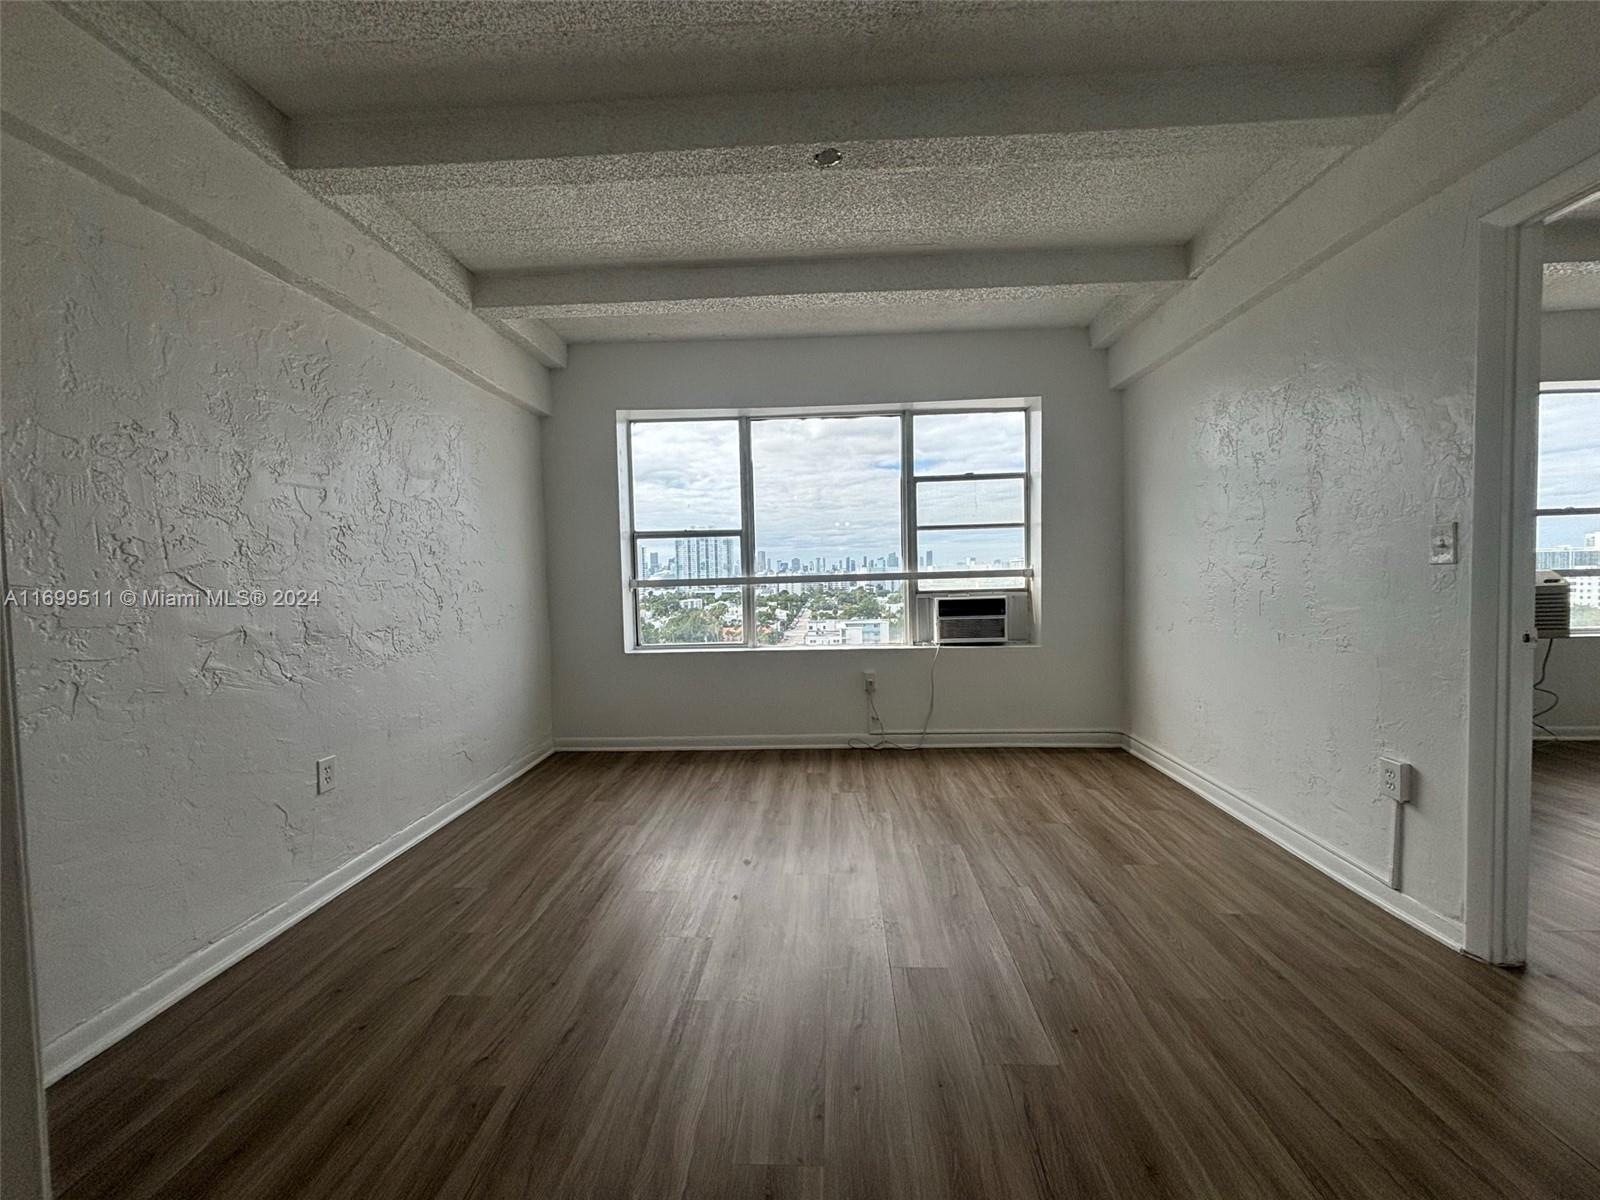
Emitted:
<point x="829" y="488"/>
<point x="1569" y="464"/>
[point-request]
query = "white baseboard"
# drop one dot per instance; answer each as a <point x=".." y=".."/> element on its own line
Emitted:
<point x="944" y="739"/>
<point x="1301" y="844"/>
<point x="82" y="1042"/>
<point x="1569" y="733"/>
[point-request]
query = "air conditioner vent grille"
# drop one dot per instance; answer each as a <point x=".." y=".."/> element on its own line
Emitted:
<point x="1552" y="607"/>
<point x="973" y="620"/>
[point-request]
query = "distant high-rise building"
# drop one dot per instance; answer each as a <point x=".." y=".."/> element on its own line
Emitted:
<point x="705" y="557"/>
<point x="1565" y="558"/>
<point x="655" y="562"/>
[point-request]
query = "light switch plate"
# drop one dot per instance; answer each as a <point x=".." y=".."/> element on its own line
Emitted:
<point x="1442" y="546"/>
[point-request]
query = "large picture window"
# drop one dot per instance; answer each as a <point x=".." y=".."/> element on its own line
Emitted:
<point x="794" y="531"/>
<point x="1567" y="537"/>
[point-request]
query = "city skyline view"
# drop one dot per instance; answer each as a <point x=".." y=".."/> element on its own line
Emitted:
<point x="827" y="490"/>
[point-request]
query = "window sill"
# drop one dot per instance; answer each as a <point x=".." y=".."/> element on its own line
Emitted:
<point x="777" y="651"/>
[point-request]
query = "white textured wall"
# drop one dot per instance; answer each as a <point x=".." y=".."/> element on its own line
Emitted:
<point x="176" y="417"/>
<point x="1072" y="681"/>
<point x="1285" y="626"/>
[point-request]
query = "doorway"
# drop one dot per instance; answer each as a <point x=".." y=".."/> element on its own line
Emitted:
<point x="1533" y="880"/>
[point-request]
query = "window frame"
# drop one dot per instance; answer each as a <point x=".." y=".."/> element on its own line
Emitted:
<point x="909" y="575"/>
<point x="1552" y="389"/>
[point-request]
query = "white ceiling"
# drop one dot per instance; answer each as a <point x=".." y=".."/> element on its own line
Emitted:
<point x="558" y="137"/>
<point x="818" y="213"/>
<point x="321" y="57"/>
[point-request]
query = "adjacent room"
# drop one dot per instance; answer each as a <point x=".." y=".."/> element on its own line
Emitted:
<point x="800" y="598"/>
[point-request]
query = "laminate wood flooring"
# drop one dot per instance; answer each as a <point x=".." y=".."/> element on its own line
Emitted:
<point x="948" y="974"/>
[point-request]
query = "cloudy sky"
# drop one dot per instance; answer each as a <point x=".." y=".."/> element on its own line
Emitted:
<point x="830" y="488"/>
<point x="1569" y="464"/>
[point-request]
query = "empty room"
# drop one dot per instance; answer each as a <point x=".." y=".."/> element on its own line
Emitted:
<point x="875" y="599"/>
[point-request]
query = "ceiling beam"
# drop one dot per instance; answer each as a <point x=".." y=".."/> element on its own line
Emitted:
<point x="1572" y="241"/>
<point x="876" y="128"/>
<point x="1126" y="311"/>
<point x="615" y="291"/>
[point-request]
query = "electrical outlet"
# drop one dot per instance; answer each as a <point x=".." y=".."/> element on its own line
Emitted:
<point x="1442" y="545"/>
<point x="325" y="774"/>
<point x="1394" y="780"/>
<point x="870" y="679"/>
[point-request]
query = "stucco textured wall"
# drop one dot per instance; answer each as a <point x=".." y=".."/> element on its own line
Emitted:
<point x="1285" y="626"/>
<point x="177" y="419"/>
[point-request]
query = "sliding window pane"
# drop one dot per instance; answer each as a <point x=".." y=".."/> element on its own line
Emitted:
<point x="970" y="502"/>
<point x="798" y="616"/>
<point x="685" y="475"/>
<point x="688" y="558"/>
<point x="690" y="616"/>
<point x="1569" y="451"/>
<point x="962" y="443"/>
<point x="827" y="494"/>
<point x="975" y="549"/>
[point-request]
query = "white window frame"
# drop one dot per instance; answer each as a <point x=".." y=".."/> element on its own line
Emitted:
<point x="1548" y="389"/>
<point x="910" y="574"/>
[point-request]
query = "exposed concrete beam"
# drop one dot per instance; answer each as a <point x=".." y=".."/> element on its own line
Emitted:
<point x="622" y="290"/>
<point x="1464" y="32"/>
<point x="1539" y="76"/>
<point x="391" y="227"/>
<point x="880" y="128"/>
<point x="1572" y="241"/>
<point x="545" y="344"/>
<point x="167" y="55"/>
<point x="74" y="97"/>
<point x="1266" y="194"/>
<point x="1126" y="311"/>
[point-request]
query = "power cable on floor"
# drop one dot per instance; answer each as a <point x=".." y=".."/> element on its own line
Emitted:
<point x="877" y="737"/>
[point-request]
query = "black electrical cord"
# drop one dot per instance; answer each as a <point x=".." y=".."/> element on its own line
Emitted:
<point x="1540" y="689"/>
<point x="878" y="737"/>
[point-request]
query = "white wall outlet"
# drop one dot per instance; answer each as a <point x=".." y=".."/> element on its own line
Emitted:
<point x="1394" y="780"/>
<point x="1442" y="545"/>
<point x="869" y="680"/>
<point x="325" y="774"/>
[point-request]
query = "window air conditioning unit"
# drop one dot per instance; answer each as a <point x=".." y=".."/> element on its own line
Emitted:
<point x="973" y="619"/>
<point x="1552" y="606"/>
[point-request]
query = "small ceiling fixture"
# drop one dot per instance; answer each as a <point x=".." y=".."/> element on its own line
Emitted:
<point x="827" y="158"/>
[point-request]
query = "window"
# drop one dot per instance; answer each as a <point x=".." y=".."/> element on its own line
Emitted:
<point x="796" y="530"/>
<point x="1568" y="514"/>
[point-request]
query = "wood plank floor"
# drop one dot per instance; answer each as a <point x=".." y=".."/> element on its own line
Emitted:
<point x="1564" y="879"/>
<point x="961" y="974"/>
